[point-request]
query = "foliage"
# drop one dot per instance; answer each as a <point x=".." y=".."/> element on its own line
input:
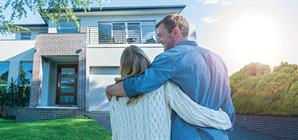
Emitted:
<point x="50" y="10"/>
<point x="257" y="90"/>
<point x="60" y="129"/>
<point x="23" y="79"/>
<point x="15" y="95"/>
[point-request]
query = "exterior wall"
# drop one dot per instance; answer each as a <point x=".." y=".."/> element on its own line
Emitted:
<point x="96" y="98"/>
<point x="59" y="45"/>
<point x="36" y="114"/>
<point x="282" y="127"/>
<point x="102" y="57"/>
<point x="86" y="21"/>
<point x="49" y="79"/>
<point x="44" y="101"/>
<point x="14" y="52"/>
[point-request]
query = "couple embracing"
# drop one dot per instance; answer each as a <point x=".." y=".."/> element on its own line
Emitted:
<point x="184" y="94"/>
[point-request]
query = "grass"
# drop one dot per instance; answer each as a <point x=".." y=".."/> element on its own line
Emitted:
<point x="60" y="129"/>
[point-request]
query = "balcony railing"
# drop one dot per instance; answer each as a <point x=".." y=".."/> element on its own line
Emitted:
<point x="140" y="34"/>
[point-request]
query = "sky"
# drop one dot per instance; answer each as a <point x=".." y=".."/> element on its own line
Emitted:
<point x="240" y="31"/>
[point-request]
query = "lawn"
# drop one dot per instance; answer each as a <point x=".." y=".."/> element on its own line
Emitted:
<point x="60" y="129"/>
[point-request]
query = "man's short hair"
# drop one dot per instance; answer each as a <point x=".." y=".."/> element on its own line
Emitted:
<point x="174" y="20"/>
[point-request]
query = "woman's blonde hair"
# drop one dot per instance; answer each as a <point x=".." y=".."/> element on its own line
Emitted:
<point x="133" y="62"/>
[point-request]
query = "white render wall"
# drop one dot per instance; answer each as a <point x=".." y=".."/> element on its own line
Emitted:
<point x="15" y="51"/>
<point x="108" y="55"/>
<point x="101" y="57"/>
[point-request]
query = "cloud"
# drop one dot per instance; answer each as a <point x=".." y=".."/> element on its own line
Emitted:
<point x="207" y="2"/>
<point x="210" y="19"/>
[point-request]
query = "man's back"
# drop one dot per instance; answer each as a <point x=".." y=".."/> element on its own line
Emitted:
<point x="203" y="77"/>
<point x="200" y="74"/>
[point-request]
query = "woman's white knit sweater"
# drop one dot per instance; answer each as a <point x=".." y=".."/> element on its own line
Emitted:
<point x="150" y="117"/>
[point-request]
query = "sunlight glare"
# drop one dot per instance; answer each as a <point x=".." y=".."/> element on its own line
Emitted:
<point x="254" y="39"/>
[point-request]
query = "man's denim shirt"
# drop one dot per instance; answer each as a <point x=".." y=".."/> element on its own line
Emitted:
<point x="201" y="74"/>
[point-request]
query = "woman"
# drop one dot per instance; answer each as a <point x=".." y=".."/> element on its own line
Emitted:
<point x="148" y="117"/>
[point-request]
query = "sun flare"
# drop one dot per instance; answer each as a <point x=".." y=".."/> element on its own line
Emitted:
<point x="254" y="39"/>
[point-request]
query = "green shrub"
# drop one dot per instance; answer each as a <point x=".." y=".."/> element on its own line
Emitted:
<point x="257" y="90"/>
<point x="14" y="96"/>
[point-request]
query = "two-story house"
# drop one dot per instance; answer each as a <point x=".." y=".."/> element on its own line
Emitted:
<point x="69" y="67"/>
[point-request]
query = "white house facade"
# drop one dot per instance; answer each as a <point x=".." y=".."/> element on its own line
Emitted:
<point x="69" y="68"/>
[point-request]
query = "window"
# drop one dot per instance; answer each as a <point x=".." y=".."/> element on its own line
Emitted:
<point x="67" y="27"/>
<point x="126" y="32"/>
<point x="148" y="32"/>
<point x="134" y="33"/>
<point x="105" y="33"/>
<point x="4" y="69"/>
<point x="119" y="33"/>
<point x="25" y="73"/>
<point x="25" y="36"/>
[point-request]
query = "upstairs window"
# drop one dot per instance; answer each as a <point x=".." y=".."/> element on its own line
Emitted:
<point x="25" y="36"/>
<point x="67" y="27"/>
<point x="119" y="35"/>
<point x="134" y="33"/>
<point x="140" y="32"/>
<point x="105" y="33"/>
<point x="148" y="32"/>
<point x="4" y="69"/>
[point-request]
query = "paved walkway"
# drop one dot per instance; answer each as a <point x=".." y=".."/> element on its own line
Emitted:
<point x="102" y="118"/>
<point x="239" y="133"/>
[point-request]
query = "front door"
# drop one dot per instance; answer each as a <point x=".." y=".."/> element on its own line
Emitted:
<point x="66" y="93"/>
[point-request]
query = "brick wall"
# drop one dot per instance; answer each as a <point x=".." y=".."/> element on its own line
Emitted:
<point x="59" y="45"/>
<point x="56" y="45"/>
<point x="283" y="127"/>
<point x="36" y="114"/>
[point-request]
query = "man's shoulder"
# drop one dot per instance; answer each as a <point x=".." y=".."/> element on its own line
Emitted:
<point x="176" y="51"/>
<point x="169" y="54"/>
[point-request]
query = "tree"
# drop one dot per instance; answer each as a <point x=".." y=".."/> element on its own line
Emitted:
<point x="51" y="10"/>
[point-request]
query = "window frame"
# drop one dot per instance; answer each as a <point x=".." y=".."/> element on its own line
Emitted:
<point x="142" y="38"/>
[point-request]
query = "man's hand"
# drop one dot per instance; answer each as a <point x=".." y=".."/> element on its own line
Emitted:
<point x="109" y="97"/>
<point x="115" y="90"/>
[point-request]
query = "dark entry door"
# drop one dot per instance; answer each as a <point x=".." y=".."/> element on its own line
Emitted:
<point x="66" y="93"/>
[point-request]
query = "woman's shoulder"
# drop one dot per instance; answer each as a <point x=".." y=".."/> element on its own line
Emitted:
<point x="168" y="85"/>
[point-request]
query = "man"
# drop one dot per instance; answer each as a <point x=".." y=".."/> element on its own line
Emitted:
<point x="201" y="74"/>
